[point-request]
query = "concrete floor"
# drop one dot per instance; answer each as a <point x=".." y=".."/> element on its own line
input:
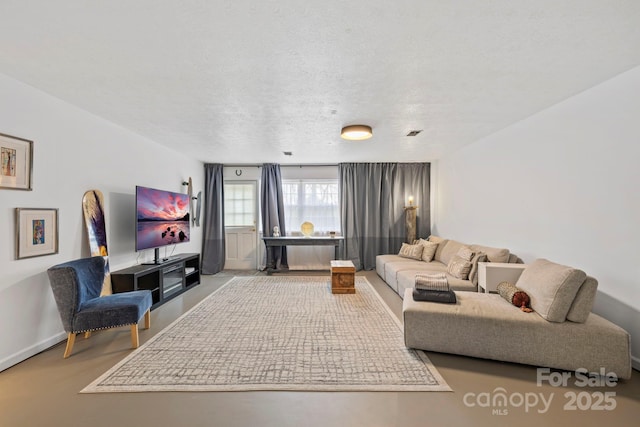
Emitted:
<point x="43" y="391"/>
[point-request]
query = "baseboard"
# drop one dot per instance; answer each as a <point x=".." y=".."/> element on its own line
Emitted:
<point x="635" y="363"/>
<point x="18" y="357"/>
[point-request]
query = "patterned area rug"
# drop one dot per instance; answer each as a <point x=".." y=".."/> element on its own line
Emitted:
<point x="278" y="333"/>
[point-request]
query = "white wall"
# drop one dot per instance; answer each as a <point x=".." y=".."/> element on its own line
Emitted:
<point x="560" y="185"/>
<point x="74" y="151"/>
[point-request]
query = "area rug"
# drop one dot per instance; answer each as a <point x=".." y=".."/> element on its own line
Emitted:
<point x="278" y="333"/>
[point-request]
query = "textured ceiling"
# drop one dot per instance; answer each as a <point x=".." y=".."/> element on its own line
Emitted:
<point x="241" y="81"/>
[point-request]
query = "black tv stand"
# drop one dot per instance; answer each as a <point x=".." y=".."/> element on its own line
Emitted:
<point x="165" y="280"/>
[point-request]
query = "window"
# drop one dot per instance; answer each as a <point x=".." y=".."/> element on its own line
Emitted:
<point x="315" y="201"/>
<point x="239" y="204"/>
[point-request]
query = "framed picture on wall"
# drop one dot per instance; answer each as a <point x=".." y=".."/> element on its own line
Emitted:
<point x="16" y="158"/>
<point x="36" y="232"/>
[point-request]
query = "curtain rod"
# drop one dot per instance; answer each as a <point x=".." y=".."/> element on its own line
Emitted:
<point x="247" y="165"/>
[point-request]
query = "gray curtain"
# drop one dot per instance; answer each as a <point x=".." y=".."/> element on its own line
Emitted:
<point x="373" y="197"/>
<point x="272" y="208"/>
<point x="213" y="245"/>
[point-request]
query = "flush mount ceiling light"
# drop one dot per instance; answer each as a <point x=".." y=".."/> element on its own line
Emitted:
<point x="356" y="132"/>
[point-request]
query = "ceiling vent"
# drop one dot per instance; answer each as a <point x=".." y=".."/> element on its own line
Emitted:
<point x="287" y="153"/>
<point x="414" y="132"/>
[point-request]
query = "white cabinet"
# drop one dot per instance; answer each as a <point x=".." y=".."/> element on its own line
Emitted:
<point x="490" y="274"/>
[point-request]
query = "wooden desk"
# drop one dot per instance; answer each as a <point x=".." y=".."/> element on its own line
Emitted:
<point x="271" y="242"/>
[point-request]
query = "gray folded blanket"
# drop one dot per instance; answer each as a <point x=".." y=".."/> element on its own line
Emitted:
<point x="448" y="297"/>
<point x="433" y="288"/>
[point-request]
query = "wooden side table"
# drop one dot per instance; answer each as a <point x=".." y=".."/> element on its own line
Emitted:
<point x="490" y="274"/>
<point x="343" y="277"/>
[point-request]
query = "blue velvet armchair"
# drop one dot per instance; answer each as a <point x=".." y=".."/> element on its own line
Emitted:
<point x="76" y="288"/>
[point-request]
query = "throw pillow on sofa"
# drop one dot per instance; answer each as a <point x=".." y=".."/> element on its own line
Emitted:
<point x="411" y="251"/>
<point x="552" y="288"/>
<point x="460" y="265"/>
<point x="428" y="250"/>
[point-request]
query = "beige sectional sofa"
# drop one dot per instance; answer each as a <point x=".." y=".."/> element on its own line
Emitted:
<point x="561" y="332"/>
<point x="399" y="272"/>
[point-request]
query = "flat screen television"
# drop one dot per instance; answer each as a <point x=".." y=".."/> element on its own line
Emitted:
<point x="162" y="219"/>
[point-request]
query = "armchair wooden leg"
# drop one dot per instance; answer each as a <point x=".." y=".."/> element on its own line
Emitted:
<point x="87" y="334"/>
<point x="71" y="338"/>
<point x="147" y="319"/>
<point x="134" y="336"/>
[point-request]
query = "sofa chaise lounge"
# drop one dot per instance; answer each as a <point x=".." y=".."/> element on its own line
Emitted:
<point x="561" y="332"/>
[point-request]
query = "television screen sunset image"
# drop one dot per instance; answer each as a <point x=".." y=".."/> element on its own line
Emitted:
<point x="162" y="218"/>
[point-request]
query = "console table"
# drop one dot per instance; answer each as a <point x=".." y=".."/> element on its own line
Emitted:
<point x="271" y="242"/>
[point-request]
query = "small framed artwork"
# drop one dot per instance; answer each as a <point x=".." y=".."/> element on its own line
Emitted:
<point x="16" y="158"/>
<point x="36" y="232"/>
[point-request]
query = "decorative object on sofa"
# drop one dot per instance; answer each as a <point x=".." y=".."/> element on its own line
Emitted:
<point x="16" y="162"/>
<point x="356" y="132"/>
<point x="445" y="297"/>
<point x="428" y="250"/>
<point x="410" y="222"/>
<point x="76" y="287"/>
<point x="460" y="265"/>
<point x="36" y="232"/>
<point x="94" y="219"/>
<point x="306" y="229"/>
<point x="411" y="251"/>
<point x="515" y="296"/>
<point x="432" y="282"/>
<point x="434" y="288"/>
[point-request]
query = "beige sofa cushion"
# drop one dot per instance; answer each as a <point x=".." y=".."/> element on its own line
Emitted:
<point x="382" y="260"/>
<point x="583" y="302"/>
<point x="493" y="254"/>
<point x="448" y="251"/>
<point x="441" y="244"/>
<point x="552" y="288"/>
<point x="436" y="239"/>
